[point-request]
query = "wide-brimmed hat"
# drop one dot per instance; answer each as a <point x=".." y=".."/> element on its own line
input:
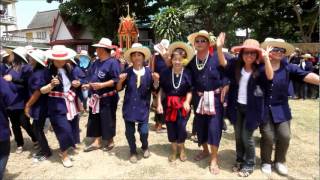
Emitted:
<point x="137" y="47"/>
<point x="280" y="43"/>
<point x="248" y="44"/>
<point x="60" y="52"/>
<point x="306" y="56"/>
<point x="22" y="52"/>
<point x="203" y="33"/>
<point x="4" y="53"/>
<point x="29" y="48"/>
<point x="83" y="53"/>
<point x="104" y="43"/>
<point x="164" y="43"/>
<point x="39" y="56"/>
<point x="188" y="49"/>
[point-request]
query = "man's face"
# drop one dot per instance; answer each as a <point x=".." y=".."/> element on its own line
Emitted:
<point x="201" y="43"/>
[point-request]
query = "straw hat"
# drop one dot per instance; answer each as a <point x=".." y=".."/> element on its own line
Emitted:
<point x="164" y="43"/>
<point x="248" y="44"/>
<point x="204" y="33"/>
<point x="188" y="49"/>
<point x="39" y="56"/>
<point x="280" y="43"/>
<point x="137" y="47"/>
<point x="306" y="56"/>
<point x="104" y="43"/>
<point x="60" y="52"/>
<point x="22" y="52"/>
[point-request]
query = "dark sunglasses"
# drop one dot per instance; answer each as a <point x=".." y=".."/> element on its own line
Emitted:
<point x="276" y="49"/>
<point x="201" y="41"/>
<point x="251" y="53"/>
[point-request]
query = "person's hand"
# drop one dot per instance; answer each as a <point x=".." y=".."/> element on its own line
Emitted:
<point x="123" y="77"/>
<point x="220" y="40"/>
<point x="7" y="77"/>
<point x="155" y="77"/>
<point x="266" y="53"/>
<point x="55" y="81"/>
<point x="160" y="108"/>
<point x="96" y="86"/>
<point x="85" y="86"/>
<point x="27" y="111"/>
<point x="186" y="106"/>
<point x="224" y="92"/>
<point x="75" y="83"/>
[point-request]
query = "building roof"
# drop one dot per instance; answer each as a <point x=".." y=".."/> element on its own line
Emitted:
<point x="43" y="19"/>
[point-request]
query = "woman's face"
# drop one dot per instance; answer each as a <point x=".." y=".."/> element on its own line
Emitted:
<point x="201" y="43"/>
<point x="59" y="63"/>
<point x="277" y="53"/>
<point x="32" y="62"/>
<point x="137" y="58"/>
<point x="177" y="61"/>
<point x="249" y="56"/>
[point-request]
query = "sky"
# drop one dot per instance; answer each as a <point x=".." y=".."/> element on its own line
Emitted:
<point x="26" y="9"/>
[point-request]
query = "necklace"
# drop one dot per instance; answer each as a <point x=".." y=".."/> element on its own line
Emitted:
<point x="201" y="66"/>
<point x="172" y="78"/>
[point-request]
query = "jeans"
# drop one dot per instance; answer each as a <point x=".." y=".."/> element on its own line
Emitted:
<point x="143" y="129"/>
<point x="4" y="156"/>
<point x="245" y="146"/>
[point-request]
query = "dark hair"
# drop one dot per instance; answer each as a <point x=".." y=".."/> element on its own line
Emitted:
<point x="179" y="51"/>
<point x="38" y="67"/>
<point x="107" y="50"/>
<point x="240" y="64"/>
<point x="17" y="62"/>
<point x="137" y="52"/>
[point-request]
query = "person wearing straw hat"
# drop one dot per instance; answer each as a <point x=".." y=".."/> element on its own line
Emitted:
<point x="103" y="77"/>
<point x="7" y="97"/>
<point x="36" y="106"/>
<point x="138" y="82"/>
<point x="63" y="106"/>
<point x="18" y="75"/>
<point x="158" y="64"/>
<point x="251" y="76"/>
<point x="277" y="123"/>
<point x="176" y="84"/>
<point x="4" y="61"/>
<point x="208" y="93"/>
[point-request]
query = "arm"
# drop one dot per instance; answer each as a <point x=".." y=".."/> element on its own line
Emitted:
<point x="220" y="43"/>
<point x="268" y="66"/>
<point x="34" y="98"/>
<point x="312" y="78"/>
<point x="159" y="104"/>
<point x="122" y="78"/>
<point x="46" y="89"/>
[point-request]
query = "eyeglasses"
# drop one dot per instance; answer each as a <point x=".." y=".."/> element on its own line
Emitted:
<point x="201" y="41"/>
<point x="276" y="49"/>
<point x="251" y="53"/>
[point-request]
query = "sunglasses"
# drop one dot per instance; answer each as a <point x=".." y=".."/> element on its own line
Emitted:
<point x="276" y="49"/>
<point x="201" y="41"/>
<point x="251" y="53"/>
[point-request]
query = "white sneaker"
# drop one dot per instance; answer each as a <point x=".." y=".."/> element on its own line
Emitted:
<point x="281" y="169"/>
<point x="266" y="168"/>
<point x="19" y="150"/>
<point x="67" y="163"/>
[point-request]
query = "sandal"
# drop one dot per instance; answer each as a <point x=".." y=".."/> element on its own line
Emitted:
<point x="236" y="167"/>
<point x="201" y="156"/>
<point x="109" y="147"/>
<point x="215" y="170"/>
<point x="245" y="172"/>
<point x="91" y="148"/>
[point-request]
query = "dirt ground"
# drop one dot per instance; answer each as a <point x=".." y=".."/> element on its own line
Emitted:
<point x="302" y="158"/>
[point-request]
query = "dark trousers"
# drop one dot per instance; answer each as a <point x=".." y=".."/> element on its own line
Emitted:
<point x="176" y="131"/>
<point x="143" y="129"/>
<point x="245" y="146"/>
<point x="75" y="129"/>
<point x="4" y="156"/>
<point x="63" y="130"/>
<point x="274" y="132"/>
<point x="103" y="124"/>
<point x="18" y="119"/>
<point x="38" y="125"/>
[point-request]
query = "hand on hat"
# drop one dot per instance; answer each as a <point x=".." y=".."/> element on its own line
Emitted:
<point x="7" y="77"/>
<point x="55" y="81"/>
<point x="220" y="40"/>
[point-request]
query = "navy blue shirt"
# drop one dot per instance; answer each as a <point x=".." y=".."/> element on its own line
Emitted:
<point x="136" y="102"/>
<point x="258" y="95"/>
<point x="167" y="86"/>
<point x="7" y="97"/>
<point x="159" y="64"/>
<point x="279" y="106"/>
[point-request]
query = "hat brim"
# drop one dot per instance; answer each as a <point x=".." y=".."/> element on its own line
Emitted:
<point x="37" y="59"/>
<point x="70" y="54"/>
<point x="193" y="36"/>
<point x="102" y="46"/>
<point x="144" y="50"/>
<point x="237" y="49"/>
<point x="20" y="55"/>
<point x="184" y="46"/>
<point x="288" y="47"/>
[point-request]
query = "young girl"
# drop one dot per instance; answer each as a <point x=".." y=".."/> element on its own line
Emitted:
<point x="176" y="84"/>
<point x="62" y="105"/>
<point x="276" y="126"/>
<point x="248" y="97"/>
<point x="139" y="82"/>
<point x="36" y="106"/>
<point x="18" y="75"/>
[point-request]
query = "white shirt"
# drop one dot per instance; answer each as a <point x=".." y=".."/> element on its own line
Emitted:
<point x="65" y="80"/>
<point x="243" y="86"/>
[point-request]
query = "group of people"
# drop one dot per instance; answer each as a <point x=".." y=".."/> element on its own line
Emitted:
<point x="202" y="78"/>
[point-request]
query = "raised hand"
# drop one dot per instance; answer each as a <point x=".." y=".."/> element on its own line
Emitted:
<point x="266" y="53"/>
<point x="123" y="77"/>
<point x="55" y="81"/>
<point x="220" y="40"/>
